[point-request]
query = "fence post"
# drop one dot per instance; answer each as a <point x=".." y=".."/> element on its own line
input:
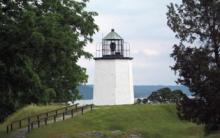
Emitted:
<point x="32" y="125"/>
<point x="91" y="106"/>
<point x="82" y="110"/>
<point x="7" y="129"/>
<point x="11" y="126"/>
<point x="54" y="118"/>
<point x="76" y="107"/>
<point x="45" y="120"/>
<point x="63" y="115"/>
<point x="29" y="120"/>
<point x="38" y="121"/>
<point x="20" y="123"/>
<point x="72" y="113"/>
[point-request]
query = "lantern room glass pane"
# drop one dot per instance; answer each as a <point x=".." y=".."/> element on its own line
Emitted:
<point x="107" y="47"/>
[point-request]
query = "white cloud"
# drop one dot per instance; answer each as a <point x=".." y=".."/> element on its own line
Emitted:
<point x="150" y="52"/>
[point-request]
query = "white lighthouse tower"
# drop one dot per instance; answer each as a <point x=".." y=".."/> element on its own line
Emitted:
<point x="113" y="83"/>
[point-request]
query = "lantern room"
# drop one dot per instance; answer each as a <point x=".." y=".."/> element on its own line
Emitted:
<point x="113" y="47"/>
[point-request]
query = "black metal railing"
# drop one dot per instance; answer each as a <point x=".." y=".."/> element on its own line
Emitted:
<point x="105" y="51"/>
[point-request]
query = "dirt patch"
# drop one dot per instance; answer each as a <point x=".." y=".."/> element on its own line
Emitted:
<point x="95" y="134"/>
<point x="21" y="133"/>
<point x="135" y="136"/>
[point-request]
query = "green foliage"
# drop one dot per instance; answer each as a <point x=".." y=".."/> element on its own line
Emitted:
<point x="165" y="95"/>
<point x="196" y="24"/>
<point x="49" y="96"/>
<point x="40" y="43"/>
<point x="139" y="101"/>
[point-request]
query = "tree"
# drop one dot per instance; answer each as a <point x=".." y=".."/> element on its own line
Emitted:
<point x="165" y="95"/>
<point x="197" y="59"/>
<point x="40" y="44"/>
<point x="139" y="101"/>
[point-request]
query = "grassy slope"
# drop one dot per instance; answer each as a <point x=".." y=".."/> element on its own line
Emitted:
<point x="25" y="112"/>
<point x="152" y="121"/>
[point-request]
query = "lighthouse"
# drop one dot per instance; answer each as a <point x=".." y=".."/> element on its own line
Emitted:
<point x="113" y="84"/>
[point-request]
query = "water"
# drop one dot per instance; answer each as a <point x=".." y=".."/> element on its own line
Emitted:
<point x="140" y="91"/>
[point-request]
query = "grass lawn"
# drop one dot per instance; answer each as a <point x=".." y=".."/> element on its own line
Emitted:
<point x="25" y="112"/>
<point x="149" y="121"/>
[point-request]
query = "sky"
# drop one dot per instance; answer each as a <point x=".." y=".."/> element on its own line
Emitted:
<point x="142" y="23"/>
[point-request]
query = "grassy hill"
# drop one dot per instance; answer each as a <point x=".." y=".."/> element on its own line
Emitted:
<point x="146" y="121"/>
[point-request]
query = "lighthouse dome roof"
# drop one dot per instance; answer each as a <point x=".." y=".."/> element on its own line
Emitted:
<point x="112" y="36"/>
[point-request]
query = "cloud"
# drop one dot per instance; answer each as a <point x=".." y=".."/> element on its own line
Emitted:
<point x="150" y="52"/>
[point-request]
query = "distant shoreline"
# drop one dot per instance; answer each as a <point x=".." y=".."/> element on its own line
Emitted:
<point x="140" y="91"/>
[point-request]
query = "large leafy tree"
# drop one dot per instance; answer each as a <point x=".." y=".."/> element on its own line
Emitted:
<point x="197" y="59"/>
<point x="40" y="44"/>
<point x="165" y="95"/>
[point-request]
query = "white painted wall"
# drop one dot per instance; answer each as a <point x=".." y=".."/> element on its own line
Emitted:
<point x="124" y="80"/>
<point x="113" y="83"/>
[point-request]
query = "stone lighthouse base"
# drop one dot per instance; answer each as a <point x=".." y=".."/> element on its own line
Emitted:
<point x="113" y="83"/>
